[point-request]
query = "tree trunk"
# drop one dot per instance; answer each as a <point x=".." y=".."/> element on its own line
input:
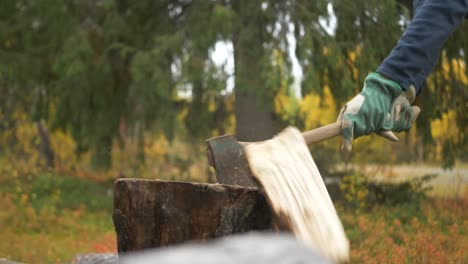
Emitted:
<point x="102" y="157"/>
<point x="253" y="123"/>
<point x="44" y="146"/>
<point x="154" y="213"/>
<point x="419" y="150"/>
<point x="254" y="117"/>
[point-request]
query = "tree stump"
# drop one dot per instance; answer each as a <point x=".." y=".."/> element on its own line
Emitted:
<point x="155" y="213"/>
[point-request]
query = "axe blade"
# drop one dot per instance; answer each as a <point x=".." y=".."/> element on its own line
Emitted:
<point x="227" y="157"/>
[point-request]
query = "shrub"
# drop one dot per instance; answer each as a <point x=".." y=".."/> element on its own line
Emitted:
<point x="410" y="191"/>
<point x="359" y="193"/>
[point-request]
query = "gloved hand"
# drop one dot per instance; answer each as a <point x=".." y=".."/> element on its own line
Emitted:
<point x="381" y="107"/>
<point x="403" y="114"/>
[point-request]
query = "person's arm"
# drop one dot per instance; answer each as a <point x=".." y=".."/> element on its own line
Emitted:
<point x="417" y="51"/>
<point x="381" y="107"/>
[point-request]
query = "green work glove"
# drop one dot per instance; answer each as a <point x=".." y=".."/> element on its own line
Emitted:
<point x="403" y="114"/>
<point x="381" y="107"/>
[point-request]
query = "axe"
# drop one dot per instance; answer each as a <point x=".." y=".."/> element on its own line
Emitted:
<point x="226" y="155"/>
<point x="293" y="186"/>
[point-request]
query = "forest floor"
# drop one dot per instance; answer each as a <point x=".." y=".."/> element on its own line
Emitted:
<point x="52" y="218"/>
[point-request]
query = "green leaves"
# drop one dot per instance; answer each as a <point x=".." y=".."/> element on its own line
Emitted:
<point x="224" y="21"/>
<point x="95" y="65"/>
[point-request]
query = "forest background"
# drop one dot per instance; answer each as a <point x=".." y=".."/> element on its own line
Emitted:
<point x="91" y="91"/>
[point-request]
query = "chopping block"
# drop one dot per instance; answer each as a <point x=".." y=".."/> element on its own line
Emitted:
<point x="156" y="213"/>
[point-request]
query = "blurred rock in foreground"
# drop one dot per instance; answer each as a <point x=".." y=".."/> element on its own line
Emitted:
<point x="251" y="248"/>
<point x="96" y="258"/>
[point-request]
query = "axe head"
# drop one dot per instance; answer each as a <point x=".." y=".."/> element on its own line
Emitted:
<point x="227" y="157"/>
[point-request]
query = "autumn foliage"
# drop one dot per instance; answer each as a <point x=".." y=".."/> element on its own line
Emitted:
<point x="433" y="233"/>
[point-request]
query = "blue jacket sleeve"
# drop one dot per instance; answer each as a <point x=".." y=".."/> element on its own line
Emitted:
<point x="417" y="51"/>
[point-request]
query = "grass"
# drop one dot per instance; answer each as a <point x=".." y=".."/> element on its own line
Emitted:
<point x="71" y="193"/>
<point x="52" y="218"/>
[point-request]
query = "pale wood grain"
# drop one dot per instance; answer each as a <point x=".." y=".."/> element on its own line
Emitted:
<point x="297" y="194"/>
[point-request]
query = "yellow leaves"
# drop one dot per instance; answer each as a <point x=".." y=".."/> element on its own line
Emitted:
<point x="354" y="189"/>
<point x="285" y="106"/>
<point x="325" y="50"/>
<point x="445" y="127"/>
<point x="23" y="199"/>
<point x="352" y="56"/>
<point x="25" y="133"/>
<point x="458" y="67"/>
<point x="211" y="106"/>
<point x="278" y="58"/>
<point x="442" y="129"/>
<point x="64" y="149"/>
<point x="157" y="148"/>
<point x="317" y="111"/>
<point x="454" y="69"/>
<point x="309" y="110"/>
<point x="280" y="103"/>
<point x="314" y="110"/>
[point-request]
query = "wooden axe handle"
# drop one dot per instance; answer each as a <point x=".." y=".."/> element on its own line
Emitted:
<point x="322" y="133"/>
<point x="316" y="135"/>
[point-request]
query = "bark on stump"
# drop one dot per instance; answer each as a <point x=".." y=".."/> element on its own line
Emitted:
<point x="155" y="213"/>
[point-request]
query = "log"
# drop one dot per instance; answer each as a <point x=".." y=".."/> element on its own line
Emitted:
<point x="156" y="213"/>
